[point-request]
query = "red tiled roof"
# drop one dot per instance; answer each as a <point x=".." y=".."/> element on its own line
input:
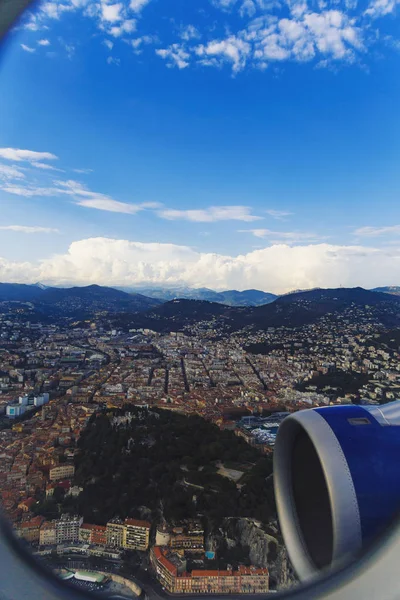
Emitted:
<point x="168" y="565"/>
<point x="137" y="523"/>
<point x="91" y="527"/>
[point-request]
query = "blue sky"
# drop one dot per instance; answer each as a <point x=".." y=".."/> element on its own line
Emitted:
<point x="225" y="143"/>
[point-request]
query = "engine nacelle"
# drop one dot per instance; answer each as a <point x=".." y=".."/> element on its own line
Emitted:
<point x="337" y="481"/>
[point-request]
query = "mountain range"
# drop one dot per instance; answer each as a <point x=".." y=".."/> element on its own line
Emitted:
<point x="75" y="301"/>
<point x="229" y="297"/>
<point x="291" y="310"/>
<point x="240" y="309"/>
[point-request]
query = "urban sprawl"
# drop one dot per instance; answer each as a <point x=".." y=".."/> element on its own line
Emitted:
<point x="54" y="377"/>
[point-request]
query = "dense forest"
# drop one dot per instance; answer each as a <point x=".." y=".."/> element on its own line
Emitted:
<point x="136" y="462"/>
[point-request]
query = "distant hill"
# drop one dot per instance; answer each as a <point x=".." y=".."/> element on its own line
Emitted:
<point x="20" y="292"/>
<point x="306" y="307"/>
<point x="230" y="297"/>
<point x="391" y="289"/>
<point x="75" y="301"/>
<point x="291" y="310"/>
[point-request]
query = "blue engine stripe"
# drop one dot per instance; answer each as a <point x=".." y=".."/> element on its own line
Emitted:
<point x="373" y="455"/>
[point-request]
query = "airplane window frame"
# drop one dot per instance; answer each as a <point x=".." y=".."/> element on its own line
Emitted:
<point x="374" y="575"/>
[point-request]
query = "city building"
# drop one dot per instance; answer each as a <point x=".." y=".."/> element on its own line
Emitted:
<point x="246" y="580"/>
<point x="136" y="534"/>
<point x="115" y="533"/>
<point x="62" y="472"/>
<point x="47" y="534"/>
<point x="15" y="410"/>
<point x="30" y="530"/>
<point x="92" y="534"/>
<point x="67" y="529"/>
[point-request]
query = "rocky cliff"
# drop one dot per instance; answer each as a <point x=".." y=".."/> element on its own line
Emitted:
<point x="265" y="548"/>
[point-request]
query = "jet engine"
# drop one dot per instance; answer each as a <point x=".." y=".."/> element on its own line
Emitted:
<point x="337" y="482"/>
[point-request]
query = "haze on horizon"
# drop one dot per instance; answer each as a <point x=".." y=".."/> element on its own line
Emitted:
<point x="227" y="144"/>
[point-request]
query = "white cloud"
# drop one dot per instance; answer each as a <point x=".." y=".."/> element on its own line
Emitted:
<point x="111" y="60"/>
<point x="175" y="55"/>
<point x="127" y="26"/>
<point x="285" y="237"/>
<point x="278" y="214"/>
<point x="44" y="42"/>
<point x="109" y="44"/>
<point x="111" y="12"/>
<point x="88" y="199"/>
<point x="27" y="48"/>
<point x="224" y="4"/>
<point x="232" y="49"/>
<point x="138" y="43"/>
<point x="138" y="5"/>
<point x="54" y="10"/>
<point x="211" y="214"/>
<point x="11" y="172"/>
<point x="278" y="268"/>
<point x="25" y="155"/>
<point x="45" y="166"/>
<point x="29" y="191"/>
<point x="248" y="8"/>
<point x="190" y="33"/>
<point x="110" y="205"/>
<point x="380" y="8"/>
<point x="26" y="229"/>
<point x="83" y="171"/>
<point x="377" y="231"/>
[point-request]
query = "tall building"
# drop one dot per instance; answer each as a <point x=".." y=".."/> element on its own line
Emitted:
<point x="67" y="528"/>
<point x="136" y="534"/>
<point x="115" y="533"/>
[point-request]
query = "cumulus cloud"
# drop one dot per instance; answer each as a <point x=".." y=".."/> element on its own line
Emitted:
<point x="248" y="8"/>
<point x="127" y="26"/>
<point x="111" y="12"/>
<point x="278" y="268"/>
<point x="138" y="5"/>
<point x="330" y="35"/>
<point x="224" y="4"/>
<point x="26" y="229"/>
<point x="44" y="42"/>
<point x="54" y="10"/>
<point x="211" y="214"/>
<point x="268" y="31"/>
<point x="380" y="8"/>
<point x="175" y="55"/>
<point x="190" y="32"/>
<point x="233" y="49"/>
